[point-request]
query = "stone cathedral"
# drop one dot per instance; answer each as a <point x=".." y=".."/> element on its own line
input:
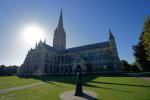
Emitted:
<point x="57" y="59"/>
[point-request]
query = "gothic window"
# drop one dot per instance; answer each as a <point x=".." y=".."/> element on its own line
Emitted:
<point x="89" y="67"/>
<point x="62" y="59"/>
<point x="36" y="67"/>
<point x="66" y="69"/>
<point x="50" y="68"/>
<point x="57" y="70"/>
<point x="46" y="69"/>
<point x="70" y="68"/>
<point x="61" y="69"/>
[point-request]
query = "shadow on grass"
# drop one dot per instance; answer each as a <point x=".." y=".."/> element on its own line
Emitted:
<point x="89" y="85"/>
<point x="88" y="97"/>
<point x="71" y="79"/>
<point x="119" y="84"/>
<point x="88" y="81"/>
<point x="54" y="83"/>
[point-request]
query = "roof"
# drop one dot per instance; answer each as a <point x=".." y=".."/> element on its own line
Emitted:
<point x="49" y="48"/>
<point x="46" y="46"/>
<point x="80" y="48"/>
<point x="87" y="47"/>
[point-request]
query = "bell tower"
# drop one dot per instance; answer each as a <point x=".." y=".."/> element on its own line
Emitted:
<point x="59" y="40"/>
<point x="112" y="44"/>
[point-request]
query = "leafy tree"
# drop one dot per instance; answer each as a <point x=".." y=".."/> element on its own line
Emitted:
<point x="8" y="70"/>
<point x="125" y="65"/>
<point x="135" y="67"/>
<point x="142" y="49"/>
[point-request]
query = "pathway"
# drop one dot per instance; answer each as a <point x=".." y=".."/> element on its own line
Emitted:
<point x="19" y="87"/>
<point x="145" y="78"/>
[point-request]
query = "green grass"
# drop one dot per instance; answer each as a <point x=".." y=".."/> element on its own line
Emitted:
<point x="108" y="88"/>
<point x="11" y="81"/>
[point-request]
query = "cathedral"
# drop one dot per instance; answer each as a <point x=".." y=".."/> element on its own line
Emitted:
<point x="59" y="60"/>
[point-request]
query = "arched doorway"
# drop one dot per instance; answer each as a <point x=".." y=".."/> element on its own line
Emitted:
<point x="89" y="67"/>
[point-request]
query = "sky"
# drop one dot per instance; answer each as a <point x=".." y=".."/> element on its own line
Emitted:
<point x="85" y="22"/>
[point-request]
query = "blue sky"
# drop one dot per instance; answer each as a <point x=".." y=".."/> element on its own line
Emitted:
<point x="85" y="22"/>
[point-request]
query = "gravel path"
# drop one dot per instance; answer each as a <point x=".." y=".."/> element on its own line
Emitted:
<point x="22" y="87"/>
<point x="145" y="78"/>
<point x="88" y="95"/>
<point x="19" y="87"/>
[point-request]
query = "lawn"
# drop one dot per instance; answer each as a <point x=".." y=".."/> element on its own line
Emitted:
<point x="108" y="88"/>
<point x="11" y="81"/>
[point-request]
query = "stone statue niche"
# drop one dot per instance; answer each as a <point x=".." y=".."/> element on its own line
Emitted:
<point x="79" y="90"/>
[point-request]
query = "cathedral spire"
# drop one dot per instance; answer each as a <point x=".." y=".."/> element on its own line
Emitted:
<point x="60" y="23"/>
<point x="59" y="40"/>
<point x="110" y="35"/>
<point x="36" y="44"/>
<point x="45" y="41"/>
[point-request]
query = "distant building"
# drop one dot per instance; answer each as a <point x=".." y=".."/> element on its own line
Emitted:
<point x="93" y="58"/>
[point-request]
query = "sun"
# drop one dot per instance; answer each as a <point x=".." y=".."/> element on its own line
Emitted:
<point x="32" y="34"/>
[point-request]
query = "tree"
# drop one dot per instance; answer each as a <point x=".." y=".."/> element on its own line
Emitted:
<point x="8" y="70"/>
<point x="125" y="65"/>
<point x="142" y="49"/>
<point x="135" y="67"/>
<point x="146" y="39"/>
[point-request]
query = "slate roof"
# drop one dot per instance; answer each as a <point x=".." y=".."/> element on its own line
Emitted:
<point x="87" y="47"/>
<point x="79" y="48"/>
<point x="46" y="46"/>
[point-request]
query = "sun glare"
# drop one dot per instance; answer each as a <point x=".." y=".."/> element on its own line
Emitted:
<point x="33" y="34"/>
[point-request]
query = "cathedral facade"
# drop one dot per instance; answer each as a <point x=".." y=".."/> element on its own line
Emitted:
<point x="57" y="59"/>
